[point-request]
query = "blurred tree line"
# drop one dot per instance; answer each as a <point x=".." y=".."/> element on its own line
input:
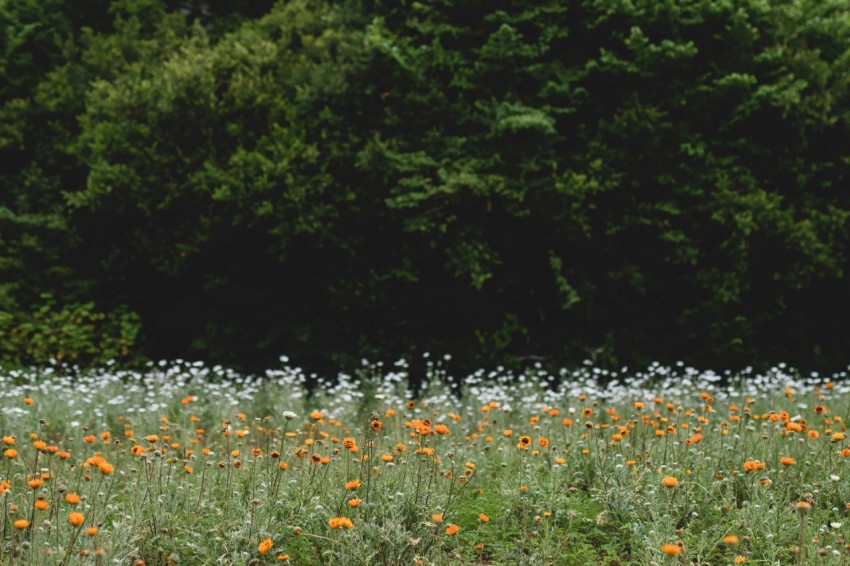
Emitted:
<point x="505" y="181"/>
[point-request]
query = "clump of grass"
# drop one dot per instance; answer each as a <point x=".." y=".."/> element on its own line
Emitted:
<point x="189" y="464"/>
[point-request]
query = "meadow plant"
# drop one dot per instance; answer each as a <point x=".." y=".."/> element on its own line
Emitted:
<point x="185" y="463"/>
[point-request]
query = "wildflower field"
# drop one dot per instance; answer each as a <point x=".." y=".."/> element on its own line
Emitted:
<point x="189" y="464"/>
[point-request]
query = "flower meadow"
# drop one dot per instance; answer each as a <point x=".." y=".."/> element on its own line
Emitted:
<point x="189" y="464"/>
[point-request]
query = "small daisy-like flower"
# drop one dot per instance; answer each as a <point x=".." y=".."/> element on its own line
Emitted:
<point x="289" y="415"/>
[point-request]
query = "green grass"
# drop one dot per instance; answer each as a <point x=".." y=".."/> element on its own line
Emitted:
<point x="592" y="494"/>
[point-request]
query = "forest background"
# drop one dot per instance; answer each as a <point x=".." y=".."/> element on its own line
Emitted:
<point x="508" y="182"/>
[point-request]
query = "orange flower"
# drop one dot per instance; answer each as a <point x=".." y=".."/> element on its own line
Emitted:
<point x="76" y="518"/>
<point x="437" y="517"/>
<point x="355" y="502"/>
<point x="376" y="424"/>
<point x="21" y="524"/>
<point x="91" y="531"/>
<point x="671" y="549"/>
<point x="731" y="539"/>
<point x="543" y="442"/>
<point x="441" y="429"/>
<point x="316" y="415"/>
<point x="10" y="453"/>
<point x="452" y="529"/>
<point x="41" y="504"/>
<point x="353" y="484"/>
<point x="105" y="468"/>
<point x="265" y="546"/>
<point x="337" y="522"/>
<point x="72" y="498"/>
<point x="753" y="465"/>
<point x="483" y="518"/>
<point x="786" y="461"/>
<point x="669" y="481"/>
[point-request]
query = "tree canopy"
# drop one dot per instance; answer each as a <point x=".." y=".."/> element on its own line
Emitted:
<point x="504" y="181"/>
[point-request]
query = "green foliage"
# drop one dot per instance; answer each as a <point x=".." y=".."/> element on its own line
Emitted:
<point x="636" y="181"/>
<point x="75" y="334"/>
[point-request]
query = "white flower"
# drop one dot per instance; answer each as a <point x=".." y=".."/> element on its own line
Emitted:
<point x="289" y="415"/>
<point x="833" y="477"/>
<point x="835" y="525"/>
